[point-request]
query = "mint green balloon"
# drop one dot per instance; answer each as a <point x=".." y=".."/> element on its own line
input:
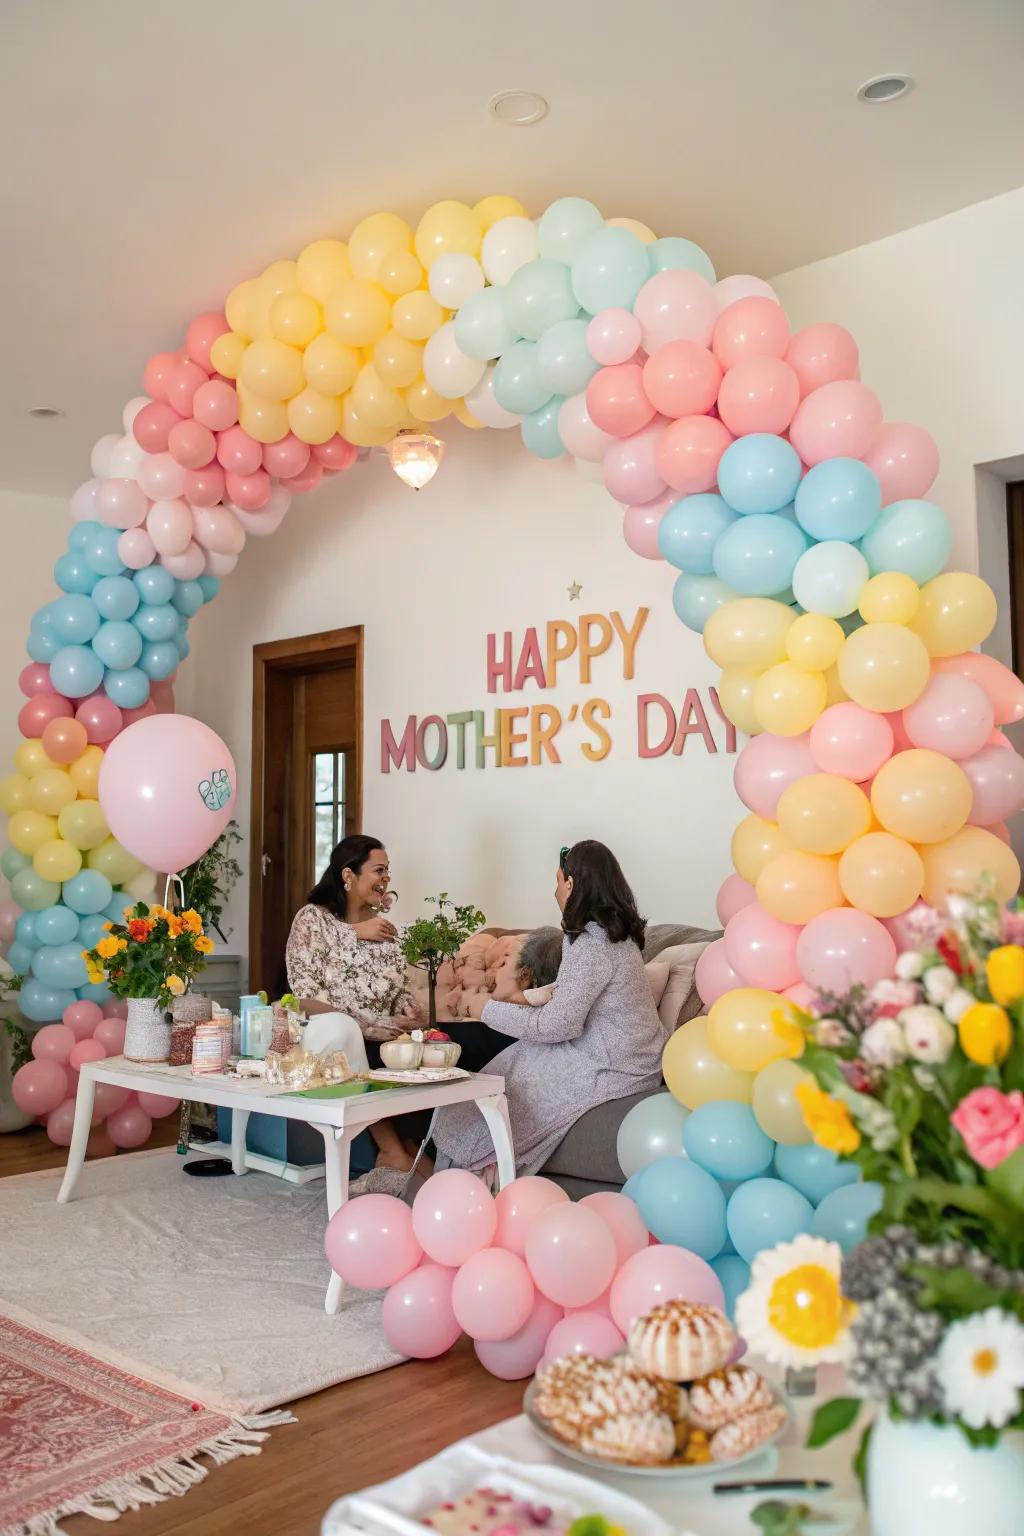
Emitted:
<point x="482" y="327"/>
<point x="517" y="382"/>
<point x="565" y="226"/>
<point x="537" y="297"/>
<point x="32" y="892"/>
<point x="674" y="254"/>
<point x="540" y="430"/>
<point x="610" y="270"/>
<point x="563" y="360"/>
<point x="12" y="862"/>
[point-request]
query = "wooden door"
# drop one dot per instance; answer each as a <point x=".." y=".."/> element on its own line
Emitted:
<point x="1015" y="542"/>
<point x="306" y="780"/>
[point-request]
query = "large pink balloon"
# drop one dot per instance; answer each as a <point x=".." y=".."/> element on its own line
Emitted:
<point x="623" y="1219"/>
<point x="759" y="394"/>
<point x="518" y="1204"/>
<point x="630" y="466"/>
<point x="843" y="947"/>
<point x="492" y="1294"/>
<point x="86" y="1050"/>
<point x="157" y="1105"/>
<point x="571" y="1254"/>
<point x="129" y="1126"/>
<point x="1003" y="687"/>
<point x="675" y="306"/>
<point x="766" y="766"/>
<point x="953" y="715"/>
<point x="584" y="1333"/>
<point x="370" y="1242"/>
<point x="82" y="1018"/>
<point x="39" y="1086"/>
<point x="682" y="378"/>
<point x="417" y="1314"/>
<point x="689" y="451"/>
<point x="662" y="1273"/>
<point x="751" y="327"/>
<point x="515" y="1358"/>
<point x="822" y="354"/>
<point x="762" y="949"/>
<point x="905" y="460"/>
<point x="60" y="1123"/>
<point x="54" y="1042"/>
<point x="838" y="420"/>
<point x="713" y="975"/>
<point x="453" y="1216"/>
<point x="997" y="785"/>
<point x="109" y="1033"/>
<point x="617" y="402"/>
<point x="640" y="525"/>
<point x="108" y="1099"/>
<point x="733" y="893"/>
<point x="851" y="741"/>
<point x="167" y="788"/>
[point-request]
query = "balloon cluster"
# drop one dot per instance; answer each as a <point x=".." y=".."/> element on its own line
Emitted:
<point x="527" y="1274"/>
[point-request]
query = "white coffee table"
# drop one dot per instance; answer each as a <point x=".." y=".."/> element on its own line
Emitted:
<point x="339" y="1121"/>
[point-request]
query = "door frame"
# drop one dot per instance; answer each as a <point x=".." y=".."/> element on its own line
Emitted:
<point x="1015" y="553"/>
<point x="277" y="657"/>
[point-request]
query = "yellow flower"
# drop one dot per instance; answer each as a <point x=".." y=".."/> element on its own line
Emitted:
<point x="789" y="1032"/>
<point x="107" y="948"/>
<point x="1005" y="971"/>
<point x="191" y="922"/>
<point x="175" y="986"/>
<point x="95" y="973"/>
<point x="204" y="945"/>
<point x="108" y="927"/>
<point x="173" y="925"/>
<point x="159" y="912"/>
<point x="985" y="1034"/>
<point x="828" y="1120"/>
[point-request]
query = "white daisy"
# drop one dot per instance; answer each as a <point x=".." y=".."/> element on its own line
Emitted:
<point x="939" y="983"/>
<point x="793" y="1311"/>
<point x="981" y="1368"/>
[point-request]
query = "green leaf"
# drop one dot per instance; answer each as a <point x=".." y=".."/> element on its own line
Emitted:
<point x="860" y="1460"/>
<point x="959" y="1292"/>
<point x="1007" y="1179"/>
<point x="832" y="1419"/>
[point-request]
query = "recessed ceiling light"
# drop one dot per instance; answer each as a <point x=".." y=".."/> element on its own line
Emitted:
<point x="517" y="109"/>
<point x="45" y="412"/>
<point x="884" y="88"/>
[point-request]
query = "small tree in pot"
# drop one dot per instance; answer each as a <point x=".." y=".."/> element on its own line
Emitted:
<point x="431" y="941"/>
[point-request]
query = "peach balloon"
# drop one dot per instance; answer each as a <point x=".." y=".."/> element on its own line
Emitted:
<point x="823" y="813"/>
<point x="689" y="451"/>
<point x="960" y="862"/>
<point x="796" y="886"/>
<point x="754" y="842"/>
<point x="751" y="327"/>
<point x="759" y="394"/>
<point x="822" y="354"/>
<point x="682" y="379"/>
<point x="921" y="796"/>
<point x="881" y="874"/>
<point x="64" y="741"/>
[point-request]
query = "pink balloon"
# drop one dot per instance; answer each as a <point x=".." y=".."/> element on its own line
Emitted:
<point x="571" y="1254"/>
<point x="83" y="502"/>
<point x="204" y="487"/>
<point x="161" y="477"/>
<point x="903" y="927"/>
<point x="751" y="327"/>
<point x="640" y="525"/>
<point x="518" y="1204"/>
<point x="161" y="691"/>
<point x="215" y="405"/>
<point x="492" y="1295"/>
<point x="39" y="1086"/>
<point x="54" y="1042"/>
<point x="762" y="949"/>
<point x="187" y="566"/>
<point x="1001" y="830"/>
<point x="167" y="787"/>
<point x="602" y="1303"/>
<point x="336" y="454"/>
<point x="142" y="713"/>
<point x="35" y="715"/>
<point x="630" y="466"/>
<point x="417" y="1313"/>
<point x="152" y="425"/>
<point x="82" y="1018"/>
<point x="766" y="766"/>
<point x="842" y="948"/>
<point x="169" y="525"/>
<point x="60" y="1123"/>
<point x="675" y="306"/>
<point x="733" y="894"/>
<point x="118" y="1009"/>
<point x="584" y="1333"/>
<point x="238" y="452"/>
<point x="249" y="491"/>
<point x="741" y="286"/>
<point x="101" y="718"/>
<point x="617" y="402"/>
<point x="308" y="480"/>
<point x="370" y="1242"/>
<point x="110" y="1034"/>
<point x="613" y="336"/>
<point x="824" y="354"/>
<point x="129" y="1126"/>
<point x="804" y="996"/>
<point x="997" y="785"/>
<point x="901" y="742"/>
<point x="953" y="716"/>
<point x="64" y="740"/>
<point x="758" y="394"/>
<point x="851" y="741"/>
<point x="120" y="504"/>
<point x="200" y="337"/>
<point x="453" y="1217"/>
<point x="9" y="914"/>
<point x="682" y="379"/>
<point x="135" y="549"/>
<point x="182" y="382"/>
<point x="1000" y="739"/>
<point x="623" y="1221"/>
<point x="662" y="1273"/>
<point x="514" y="1358"/>
<point x="86" y="1050"/>
<point x="1003" y="687"/>
<point x="578" y="432"/>
<point x="108" y="1099"/>
<point x="690" y="449"/>
<point x="905" y="459"/>
<point x="839" y="420"/>
<point x="35" y="678"/>
<point x="218" y="530"/>
<point x="288" y="456"/>
<point x="158" y="372"/>
<point x="713" y="975"/>
<point x="191" y="444"/>
<point x="157" y="1105"/>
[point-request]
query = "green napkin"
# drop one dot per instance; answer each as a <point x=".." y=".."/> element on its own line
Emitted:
<point x="338" y="1090"/>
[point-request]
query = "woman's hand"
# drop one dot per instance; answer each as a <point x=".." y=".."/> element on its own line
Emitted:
<point x="410" y="1009"/>
<point x="376" y="930"/>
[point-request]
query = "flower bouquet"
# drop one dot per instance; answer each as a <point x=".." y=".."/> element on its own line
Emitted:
<point x="149" y="958"/>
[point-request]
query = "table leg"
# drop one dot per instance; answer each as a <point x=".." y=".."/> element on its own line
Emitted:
<point x="337" y="1145"/>
<point x="84" y="1100"/>
<point x="239" y="1123"/>
<point x="495" y="1113"/>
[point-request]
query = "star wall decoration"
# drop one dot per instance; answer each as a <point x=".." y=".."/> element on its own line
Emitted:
<point x="574" y="592"/>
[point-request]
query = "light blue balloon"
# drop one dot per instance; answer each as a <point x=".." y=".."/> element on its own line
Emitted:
<point x="814" y="1170"/>
<point x="117" y="643"/>
<point x="540" y="430"/>
<point x="674" y="254"/>
<point x="757" y="555"/>
<point x="116" y="597"/>
<point x="517" y="382"/>
<point x="210" y="586"/>
<point x="127" y="687"/>
<point x="88" y="892"/>
<point x="74" y="619"/>
<point x="682" y="1204"/>
<point x="76" y="671"/>
<point x="114" y="909"/>
<point x="156" y="621"/>
<point x="60" y="965"/>
<point x="764" y="1212"/>
<point x="830" y="578"/>
<point x="843" y="1216"/>
<point x="652" y="1129"/>
<point x="759" y="473"/>
<point x="188" y="597"/>
<point x="96" y="992"/>
<point x="696" y="598"/>
<point x="160" y="660"/>
<point x="734" y="1274"/>
<point x="72" y="574"/>
<point x="32" y="892"/>
<point x="914" y="537"/>
<point x="80" y="535"/>
<point x="100" y="551"/>
<point x="689" y="530"/>
<point x="42" y="645"/>
<point x="564" y="362"/>
<point x="19" y="958"/>
<point x="42" y="1003"/>
<point x="838" y="499"/>
<point x="57" y="925"/>
<point x="726" y="1141"/>
<point x="91" y="929"/>
<point x="610" y="270"/>
<point x="537" y="296"/>
<point x="566" y="226"/>
<point x="154" y="584"/>
<point x="12" y="862"/>
<point x="26" y="932"/>
<point x="482" y="327"/>
<point x="183" y="647"/>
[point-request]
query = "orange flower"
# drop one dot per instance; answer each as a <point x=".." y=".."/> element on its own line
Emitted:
<point x="191" y="922"/>
<point x="140" y="929"/>
<point x="204" y="945"/>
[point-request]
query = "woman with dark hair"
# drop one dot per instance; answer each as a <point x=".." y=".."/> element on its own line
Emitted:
<point x="598" y="1038"/>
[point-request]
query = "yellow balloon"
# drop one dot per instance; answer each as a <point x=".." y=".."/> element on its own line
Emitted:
<point x="358" y="431"/>
<point x="30" y="758"/>
<point x="13" y="793"/>
<point x="742" y="1029"/>
<point x="823" y="813"/>
<point x="376" y="402"/>
<point x="754" y="842"/>
<point x="957" y="612"/>
<point x="775" y="1106"/>
<point x="240" y="308"/>
<point x="884" y="667"/>
<point x="272" y="370"/>
<point x="921" y="796"/>
<point x="114" y="861"/>
<point x="695" y="1074"/>
<point x="295" y="318"/>
<point x="321" y="267"/>
<point x="357" y="313"/>
<point x="447" y="226"/>
<point x="643" y="232"/>
<point x="227" y="352"/>
<point x="490" y="209"/>
<point x="788" y="700"/>
<point x="57" y="860"/>
<point x="796" y="886"/>
<point x="29" y="830"/>
<point x="264" y="420"/>
<point x="891" y="598"/>
<point x="835" y="693"/>
<point x="814" y="642"/>
<point x="398" y="362"/>
<point x="83" y="824"/>
<point x="748" y="634"/>
<point x="85" y="772"/>
<point x="51" y="790"/>
<point x="881" y="874"/>
<point x="329" y="367"/>
<point x="960" y="863"/>
<point x="374" y="238"/>
<point x="400" y="273"/>
<point x="314" y="417"/>
<point x="736" y="696"/>
<point x="425" y="403"/>
<point x="416" y="316"/>
<point x="462" y="412"/>
<point x="280" y="277"/>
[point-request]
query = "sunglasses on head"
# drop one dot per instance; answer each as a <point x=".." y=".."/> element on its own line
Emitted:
<point x="563" y="859"/>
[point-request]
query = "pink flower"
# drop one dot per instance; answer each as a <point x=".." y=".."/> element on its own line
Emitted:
<point x="891" y="997"/>
<point x="1012" y="927"/>
<point x="991" y="1123"/>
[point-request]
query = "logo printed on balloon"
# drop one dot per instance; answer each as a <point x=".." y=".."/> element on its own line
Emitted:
<point x="215" y="792"/>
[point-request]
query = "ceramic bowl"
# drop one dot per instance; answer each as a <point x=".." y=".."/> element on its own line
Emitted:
<point x="401" y="1055"/>
<point x="440" y="1053"/>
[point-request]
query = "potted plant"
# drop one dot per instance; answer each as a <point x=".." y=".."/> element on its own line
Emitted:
<point x="148" y="959"/>
<point x="431" y="941"/>
<point x="208" y="883"/>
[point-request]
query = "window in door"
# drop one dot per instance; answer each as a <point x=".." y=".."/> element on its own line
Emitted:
<point x="331" y="819"/>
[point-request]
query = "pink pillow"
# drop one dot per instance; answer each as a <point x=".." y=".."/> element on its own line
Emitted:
<point x="657" y="974"/>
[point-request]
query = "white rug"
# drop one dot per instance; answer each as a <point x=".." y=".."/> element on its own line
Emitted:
<point x="213" y="1288"/>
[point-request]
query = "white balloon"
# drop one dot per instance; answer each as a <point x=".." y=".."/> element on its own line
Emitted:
<point x="578" y="432"/>
<point x="453" y="277"/>
<point x="589" y="470"/>
<point x="126" y="458"/>
<point x="485" y="408"/>
<point x="141" y="885"/>
<point x="446" y="367"/>
<point x="100" y="457"/>
<point x="132" y="409"/>
<point x="508" y="245"/>
<point x="829" y="578"/>
<point x="219" y="565"/>
<point x="83" y="501"/>
<point x="742" y="286"/>
<point x="190" y="565"/>
<point x="267" y="520"/>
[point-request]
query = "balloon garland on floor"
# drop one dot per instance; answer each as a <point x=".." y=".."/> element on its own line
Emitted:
<point x="751" y="458"/>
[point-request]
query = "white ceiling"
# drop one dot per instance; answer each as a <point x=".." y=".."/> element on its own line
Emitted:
<point x="159" y="150"/>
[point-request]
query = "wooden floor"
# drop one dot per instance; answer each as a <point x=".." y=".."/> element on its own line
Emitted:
<point x="357" y="1433"/>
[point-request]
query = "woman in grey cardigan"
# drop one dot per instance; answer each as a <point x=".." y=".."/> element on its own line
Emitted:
<point x="598" y="1038"/>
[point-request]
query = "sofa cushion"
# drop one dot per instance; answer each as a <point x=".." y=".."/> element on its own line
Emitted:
<point x="587" y="1151"/>
<point x="680" y="995"/>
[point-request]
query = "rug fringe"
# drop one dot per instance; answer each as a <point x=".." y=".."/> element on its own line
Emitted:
<point x="164" y="1480"/>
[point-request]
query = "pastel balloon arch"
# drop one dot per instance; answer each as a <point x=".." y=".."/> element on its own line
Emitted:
<point x="750" y="457"/>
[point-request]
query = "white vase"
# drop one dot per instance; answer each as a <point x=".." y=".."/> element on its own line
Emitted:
<point x="147" y="1034"/>
<point x="929" y="1478"/>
